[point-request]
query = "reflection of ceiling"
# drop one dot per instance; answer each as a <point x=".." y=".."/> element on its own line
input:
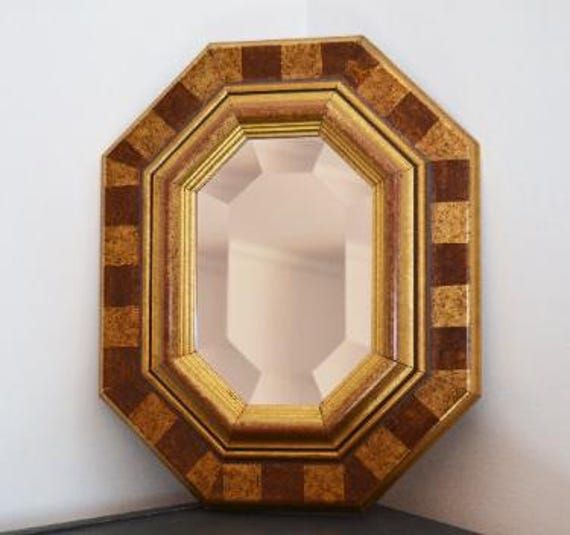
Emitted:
<point x="294" y="213"/>
<point x="293" y="195"/>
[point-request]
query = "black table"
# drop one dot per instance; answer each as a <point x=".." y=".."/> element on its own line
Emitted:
<point x="193" y="519"/>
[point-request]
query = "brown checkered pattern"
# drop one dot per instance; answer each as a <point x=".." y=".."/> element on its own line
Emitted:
<point x="450" y="384"/>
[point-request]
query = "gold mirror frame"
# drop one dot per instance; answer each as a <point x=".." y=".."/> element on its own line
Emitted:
<point x="423" y="371"/>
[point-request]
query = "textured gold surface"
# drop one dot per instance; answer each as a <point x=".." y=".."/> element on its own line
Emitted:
<point x="301" y="60"/>
<point x="203" y="78"/>
<point x="449" y="306"/>
<point x="121" y="245"/>
<point x="121" y="326"/>
<point x="212" y="70"/>
<point x="242" y="482"/>
<point x="450" y="222"/>
<point x="439" y="396"/>
<point x="228" y="60"/>
<point x="442" y="142"/>
<point x="153" y="418"/>
<point x="150" y="135"/>
<point x="120" y="174"/>
<point x="458" y="378"/>
<point x="381" y="452"/>
<point x="204" y="473"/>
<point x="382" y="90"/>
<point x="323" y="482"/>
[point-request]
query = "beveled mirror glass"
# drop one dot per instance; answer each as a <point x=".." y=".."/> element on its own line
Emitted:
<point x="284" y="270"/>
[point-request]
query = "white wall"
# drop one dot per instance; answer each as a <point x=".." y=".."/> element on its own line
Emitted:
<point x="75" y="73"/>
<point x="502" y="70"/>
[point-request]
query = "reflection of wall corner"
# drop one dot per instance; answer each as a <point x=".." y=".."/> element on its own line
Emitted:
<point x="213" y="261"/>
<point x="295" y="261"/>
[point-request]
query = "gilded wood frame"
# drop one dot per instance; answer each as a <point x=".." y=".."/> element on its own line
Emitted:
<point x="424" y="171"/>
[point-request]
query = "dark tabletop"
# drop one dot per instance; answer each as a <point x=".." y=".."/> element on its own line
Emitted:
<point x="192" y="519"/>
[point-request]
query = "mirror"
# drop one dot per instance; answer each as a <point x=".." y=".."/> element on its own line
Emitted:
<point x="284" y="270"/>
<point x="283" y="328"/>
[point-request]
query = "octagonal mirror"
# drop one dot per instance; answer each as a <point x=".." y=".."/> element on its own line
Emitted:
<point x="290" y="274"/>
<point x="284" y="270"/>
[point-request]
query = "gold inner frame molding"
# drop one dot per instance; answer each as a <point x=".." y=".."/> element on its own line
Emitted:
<point x="425" y="367"/>
<point x="235" y="428"/>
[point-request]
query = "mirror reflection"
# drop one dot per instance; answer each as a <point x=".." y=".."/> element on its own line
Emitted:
<point x="284" y="270"/>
